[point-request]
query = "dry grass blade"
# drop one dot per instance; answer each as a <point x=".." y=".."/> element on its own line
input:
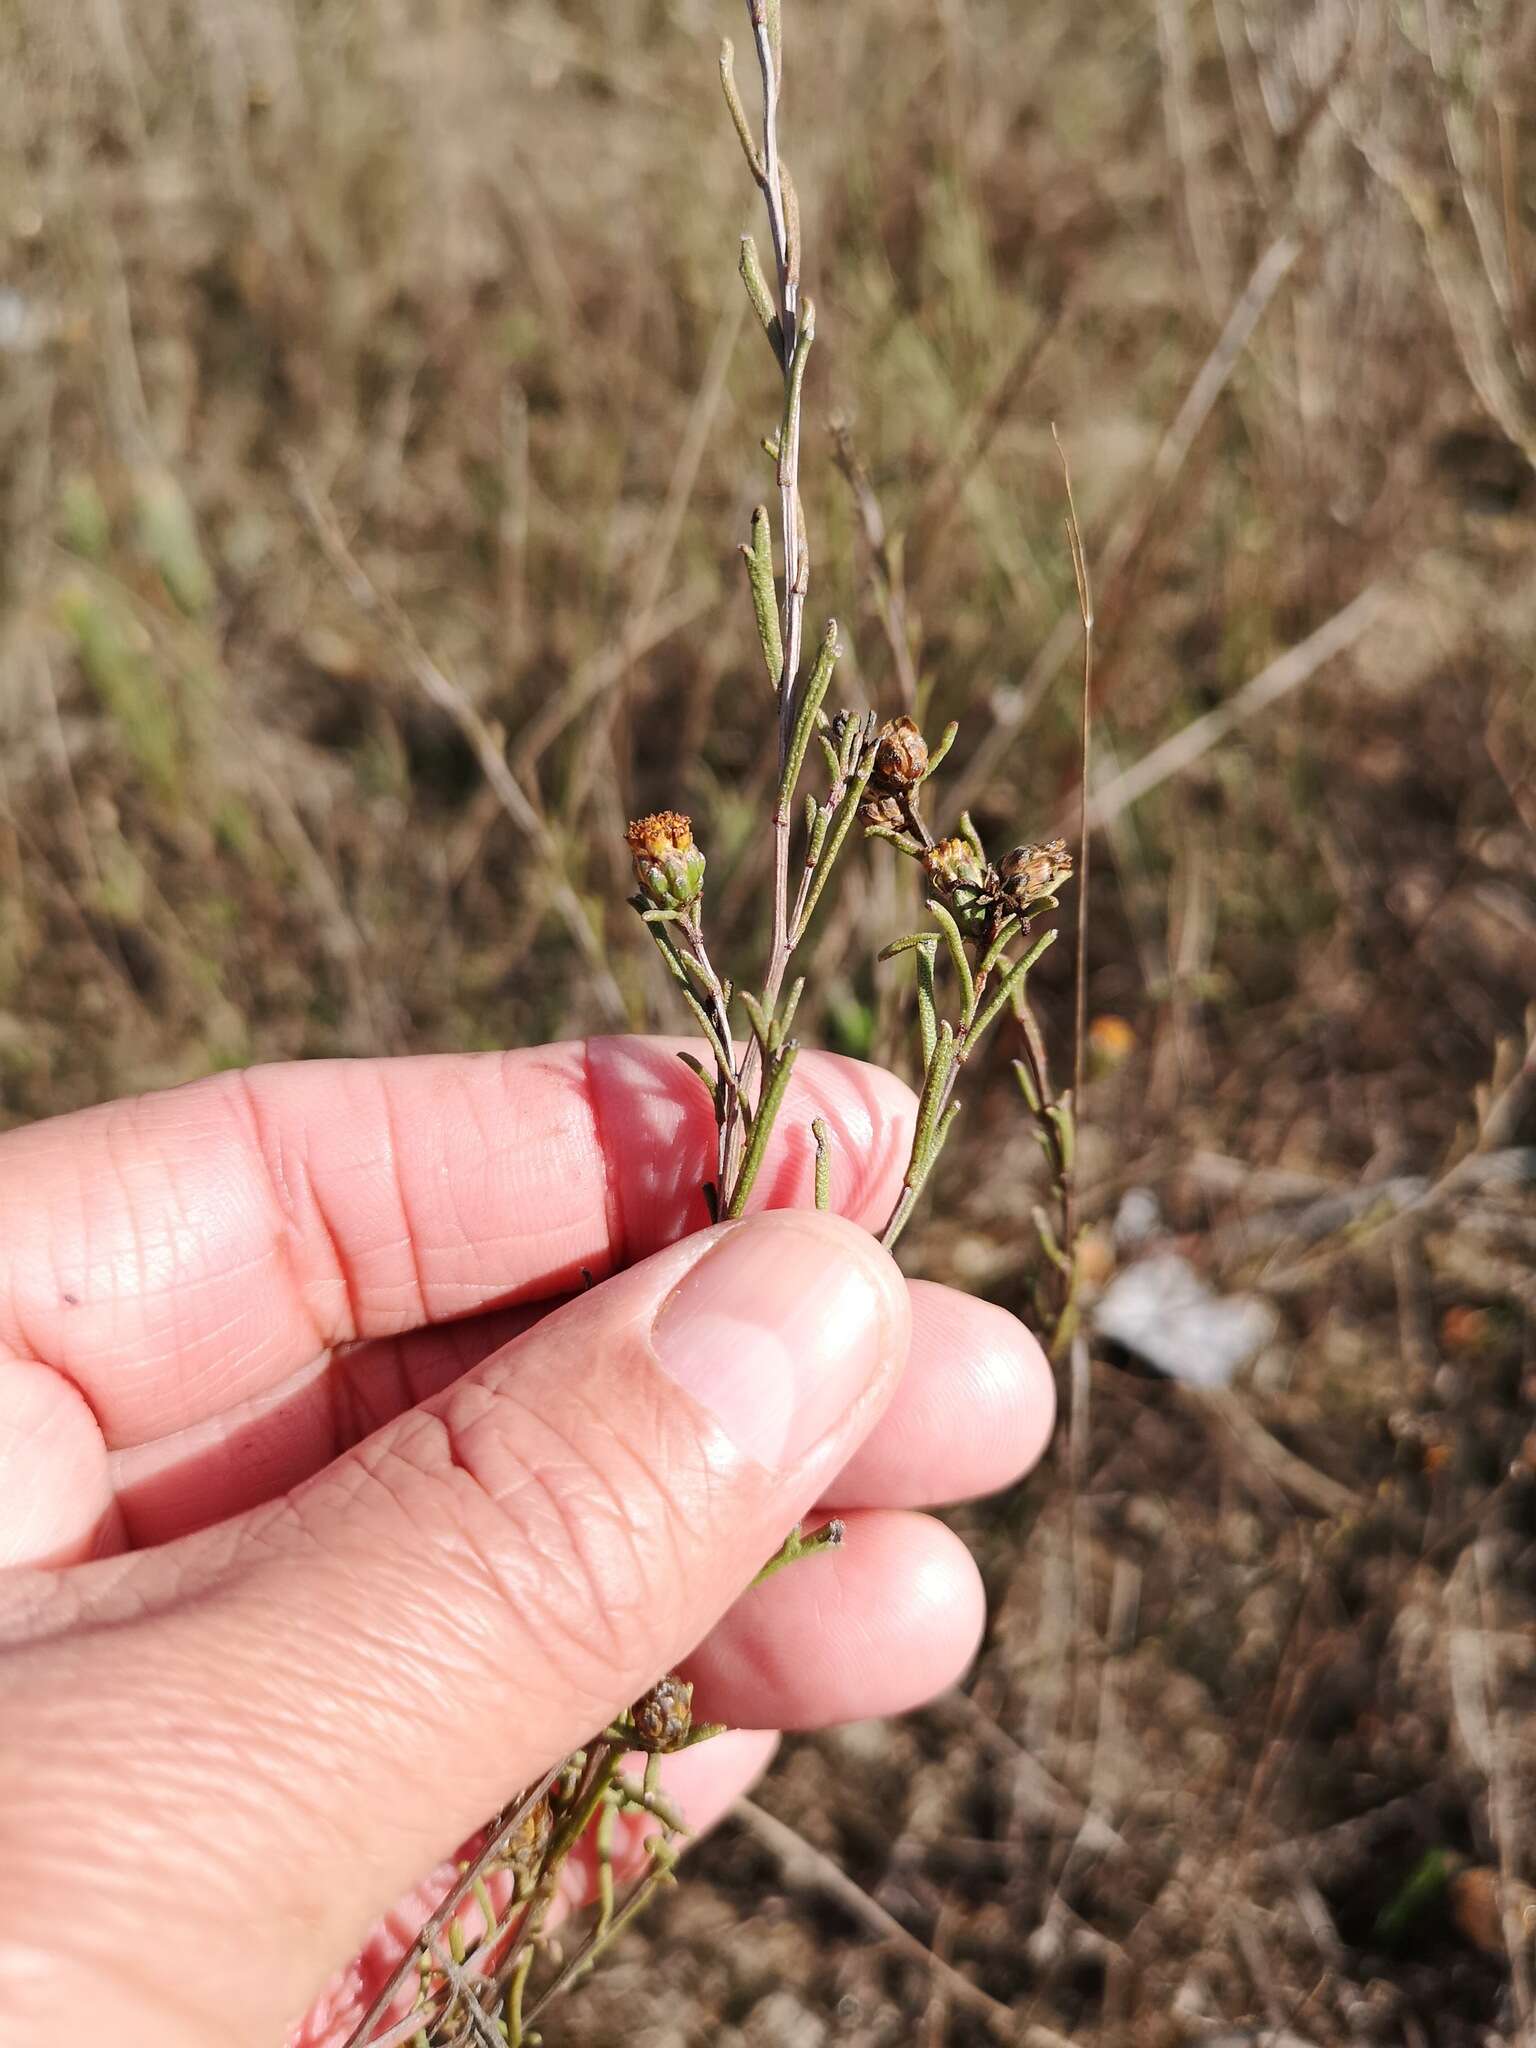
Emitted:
<point x="1303" y="1482"/>
<point x="1287" y="672"/>
<point x="1013" y="708"/>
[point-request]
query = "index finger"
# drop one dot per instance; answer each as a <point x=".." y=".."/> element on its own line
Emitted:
<point x="179" y="1253"/>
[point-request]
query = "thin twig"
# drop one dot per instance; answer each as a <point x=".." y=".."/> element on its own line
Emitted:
<point x="496" y="1845"/>
<point x="486" y="745"/>
<point x="1080" y="982"/>
<point x="805" y="1864"/>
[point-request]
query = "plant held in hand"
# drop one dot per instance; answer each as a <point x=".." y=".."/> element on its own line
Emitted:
<point x="486" y="1965"/>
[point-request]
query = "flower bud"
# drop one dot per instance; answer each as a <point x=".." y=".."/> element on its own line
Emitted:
<point x="1031" y="872"/>
<point x="663" y="1716"/>
<point x="962" y="881"/>
<point x="901" y="757"/>
<point x="668" y="866"/>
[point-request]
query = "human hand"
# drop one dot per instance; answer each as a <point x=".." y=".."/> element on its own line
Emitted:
<point x="333" y="1510"/>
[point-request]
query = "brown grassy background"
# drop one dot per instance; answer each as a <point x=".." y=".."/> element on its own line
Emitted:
<point x="375" y="412"/>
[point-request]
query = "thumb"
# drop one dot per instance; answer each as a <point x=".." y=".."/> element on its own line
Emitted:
<point x="256" y="1738"/>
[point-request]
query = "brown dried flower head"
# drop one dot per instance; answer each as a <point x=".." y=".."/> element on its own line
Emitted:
<point x="525" y="1850"/>
<point x="883" y="810"/>
<point x="901" y="757"/>
<point x="1031" y="873"/>
<point x="668" y="866"/>
<point x="954" y="864"/>
<point x="663" y="1716"/>
<point x="962" y="881"/>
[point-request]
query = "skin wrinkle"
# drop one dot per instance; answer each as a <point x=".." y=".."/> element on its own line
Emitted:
<point x="510" y="1574"/>
<point x="582" y="1607"/>
<point x="613" y="1201"/>
<point x="396" y="1168"/>
<point x="431" y="1448"/>
<point x="184" y="1768"/>
<point x="289" y="1238"/>
<point x="463" y="1234"/>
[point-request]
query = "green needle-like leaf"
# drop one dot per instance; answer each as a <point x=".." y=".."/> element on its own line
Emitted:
<point x="930" y="1101"/>
<point x="811" y="701"/>
<point x="762" y="1130"/>
<point x="1011" y="982"/>
<point x="759" y="1019"/>
<point x="823" y="1139"/>
<point x="765" y="596"/>
<point x="762" y="299"/>
<point x="946" y="741"/>
<point x="739" y="121"/>
<point x="906" y="945"/>
<point x="927" y="997"/>
<point x="957" y="957"/>
<point x="994" y="952"/>
<point x="789" y="432"/>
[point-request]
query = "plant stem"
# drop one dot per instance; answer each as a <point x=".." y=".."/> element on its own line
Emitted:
<point x="937" y="1115"/>
<point x="732" y="1131"/>
<point x="495" y="1848"/>
<point x="796" y="559"/>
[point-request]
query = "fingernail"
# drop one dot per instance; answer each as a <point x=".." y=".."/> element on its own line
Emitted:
<point x="779" y="1329"/>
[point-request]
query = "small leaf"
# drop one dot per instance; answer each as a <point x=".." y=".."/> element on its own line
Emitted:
<point x="957" y="957"/>
<point x="1027" y="1087"/>
<point x="758" y="1018"/>
<point x="823" y="1139"/>
<point x="762" y="1129"/>
<point x="994" y="952"/>
<point x="1048" y="1243"/>
<point x="789" y="432"/>
<point x="946" y="741"/>
<point x="792" y="1003"/>
<point x="839" y="832"/>
<point x="927" y="997"/>
<point x="906" y="945"/>
<point x="900" y="840"/>
<point x="762" y="301"/>
<point x="811" y="700"/>
<point x="706" y="1024"/>
<point x="738" y="112"/>
<point x="935" y="1081"/>
<point x="765" y="595"/>
<point x="791" y="225"/>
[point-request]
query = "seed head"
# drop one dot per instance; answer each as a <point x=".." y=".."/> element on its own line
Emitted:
<point x="525" y="1851"/>
<point x="953" y="864"/>
<point x="668" y="866"/>
<point x="663" y="1716"/>
<point x="901" y="757"/>
<point x="883" y="810"/>
<point x="1032" y="872"/>
<point x="962" y="881"/>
